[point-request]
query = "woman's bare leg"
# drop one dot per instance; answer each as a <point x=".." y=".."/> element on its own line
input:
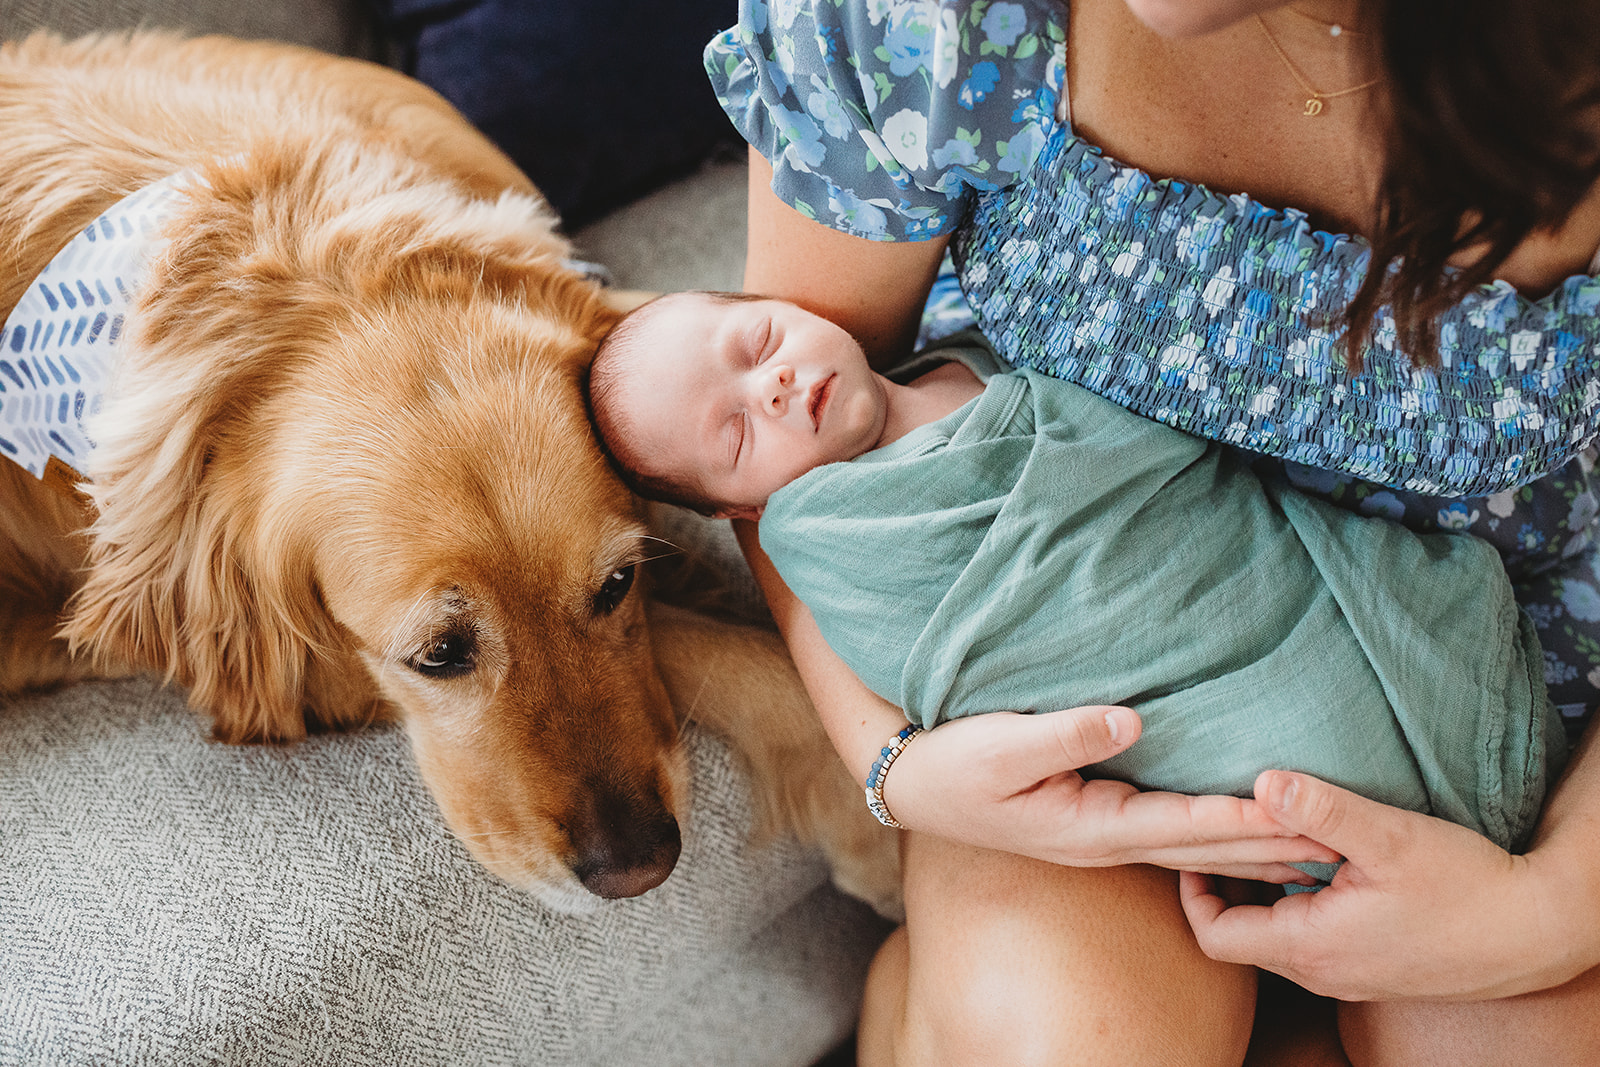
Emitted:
<point x="1554" y="1028"/>
<point x="1010" y="960"/>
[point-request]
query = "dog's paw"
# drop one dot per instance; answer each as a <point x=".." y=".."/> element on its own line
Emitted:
<point x="865" y="862"/>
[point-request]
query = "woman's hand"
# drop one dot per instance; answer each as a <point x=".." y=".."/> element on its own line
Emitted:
<point x="1010" y="782"/>
<point x="1422" y="908"/>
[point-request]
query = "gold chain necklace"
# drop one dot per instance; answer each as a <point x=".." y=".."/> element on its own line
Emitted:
<point x="1316" y="96"/>
<point x="1335" y="29"/>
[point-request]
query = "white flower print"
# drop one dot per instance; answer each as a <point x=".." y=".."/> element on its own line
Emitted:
<point x="825" y="107"/>
<point x="782" y="13"/>
<point x="1581" y="600"/>
<point x="955" y="152"/>
<point x="1501" y="505"/>
<point x="1195" y="238"/>
<point x="1180" y="358"/>
<point x="1456" y="516"/>
<point x="1218" y="291"/>
<point x="1385" y="335"/>
<point x="906" y="137"/>
<point x="869" y="87"/>
<point x="908" y="35"/>
<point x="1512" y="407"/>
<point x="1265" y="402"/>
<point x="1123" y="193"/>
<point x="947" y="49"/>
<point x="1127" y="261"/>
<point x="1524" y="346"/>
<point x="783" y="54"/>
<point x="881" y="153"/>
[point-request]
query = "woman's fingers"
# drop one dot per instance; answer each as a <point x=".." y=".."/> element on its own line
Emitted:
<point x="1273" y="873"/>
<point x="1009" y="781"/>
<point x="1350" y="824"/>
<point x="1105" y="822"/>
<point x="1257" y="934"/>
<point x="1024" y="750"/>
<point x="1222" y="829"/>
<point x="1421" y="908"/>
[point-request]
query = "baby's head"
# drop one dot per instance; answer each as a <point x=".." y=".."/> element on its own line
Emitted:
<point x="714" y="401"/>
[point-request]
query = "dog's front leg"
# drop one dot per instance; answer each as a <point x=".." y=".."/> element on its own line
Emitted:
<point x="739" y="682"/>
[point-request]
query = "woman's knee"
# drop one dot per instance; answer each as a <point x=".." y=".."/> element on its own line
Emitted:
<point x="1015" y="963"/>
<point x="995" y="1013"/>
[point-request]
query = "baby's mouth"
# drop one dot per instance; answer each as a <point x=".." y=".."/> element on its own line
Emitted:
<point x="819" y="400"/>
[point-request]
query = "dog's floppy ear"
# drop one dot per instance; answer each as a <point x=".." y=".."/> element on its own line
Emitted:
<point x="176" y="583"/>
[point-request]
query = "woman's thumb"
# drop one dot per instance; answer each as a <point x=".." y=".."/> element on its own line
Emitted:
<point x="1348" y="823"/>
<point x="1089" y="734"/>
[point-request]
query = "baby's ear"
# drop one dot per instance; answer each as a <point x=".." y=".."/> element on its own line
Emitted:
<point x="743" y="511"/>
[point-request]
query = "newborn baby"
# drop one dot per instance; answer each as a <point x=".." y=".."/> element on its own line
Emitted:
<point x="972" y="538"/>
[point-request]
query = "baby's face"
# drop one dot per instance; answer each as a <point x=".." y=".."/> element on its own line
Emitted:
<point x="743" y="397"/>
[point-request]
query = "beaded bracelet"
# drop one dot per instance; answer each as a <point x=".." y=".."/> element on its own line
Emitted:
<point x="880" y="773"/>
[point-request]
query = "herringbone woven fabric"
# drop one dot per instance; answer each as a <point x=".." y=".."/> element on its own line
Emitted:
<point x="166" y="900"/>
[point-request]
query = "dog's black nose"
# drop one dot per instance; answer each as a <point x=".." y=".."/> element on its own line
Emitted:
<point x="623" y="845"/>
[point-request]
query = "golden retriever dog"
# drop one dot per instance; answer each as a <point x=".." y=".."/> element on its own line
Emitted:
<point x="343" y="472"/>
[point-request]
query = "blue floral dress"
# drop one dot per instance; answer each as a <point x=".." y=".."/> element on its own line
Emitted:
<point x="910" y="119"/>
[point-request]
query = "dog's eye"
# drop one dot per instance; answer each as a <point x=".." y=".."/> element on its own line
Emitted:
<point x="614" y="590"/>
<point x="447" y="656"/>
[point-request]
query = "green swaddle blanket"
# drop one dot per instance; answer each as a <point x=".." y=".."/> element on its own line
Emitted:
<point x="1044" y="548"/>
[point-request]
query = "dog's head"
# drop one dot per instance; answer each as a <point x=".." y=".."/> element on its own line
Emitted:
<point x="378" y="492"/>
<point x="484" y="561"/>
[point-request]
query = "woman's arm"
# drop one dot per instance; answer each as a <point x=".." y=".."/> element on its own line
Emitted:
<point x="1009" y="782"/>
<point x="1422" y="908"/>
<point x="873" y="289"/>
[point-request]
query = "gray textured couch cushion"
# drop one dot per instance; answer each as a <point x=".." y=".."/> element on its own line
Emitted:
<point x="168" y="900"/>
<point x="331" y="25"/>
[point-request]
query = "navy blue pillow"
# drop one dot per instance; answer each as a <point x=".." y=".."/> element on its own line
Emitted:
<point x="599" y="101"/>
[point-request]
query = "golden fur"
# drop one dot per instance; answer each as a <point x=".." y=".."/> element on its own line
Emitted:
<point x="345" y="472"/>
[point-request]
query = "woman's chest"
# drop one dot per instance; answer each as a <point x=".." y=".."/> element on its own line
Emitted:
<point x="1265" y="108"/>
<point x="1222" y="111"/>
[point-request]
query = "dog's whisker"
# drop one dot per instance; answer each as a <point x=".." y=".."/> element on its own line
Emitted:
<point x="484" y="835"/>
<point x="685" y="714"/>
<point x="675" y="548"/>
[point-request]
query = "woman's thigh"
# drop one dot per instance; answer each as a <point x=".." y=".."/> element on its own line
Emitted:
<point x="1010" y="960"/>
<point x="1553" y="1028"/>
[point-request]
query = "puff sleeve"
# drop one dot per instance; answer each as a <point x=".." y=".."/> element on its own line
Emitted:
<point x="886" y="118"/>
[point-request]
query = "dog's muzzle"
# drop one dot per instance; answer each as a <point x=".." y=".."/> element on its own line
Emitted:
<point x="623" y="844"/>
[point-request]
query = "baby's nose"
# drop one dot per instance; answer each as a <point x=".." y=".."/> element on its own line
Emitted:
<point x="780" y="384"/>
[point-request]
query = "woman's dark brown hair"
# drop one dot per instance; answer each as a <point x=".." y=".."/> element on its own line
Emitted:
<point x="1494" y="133"/>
